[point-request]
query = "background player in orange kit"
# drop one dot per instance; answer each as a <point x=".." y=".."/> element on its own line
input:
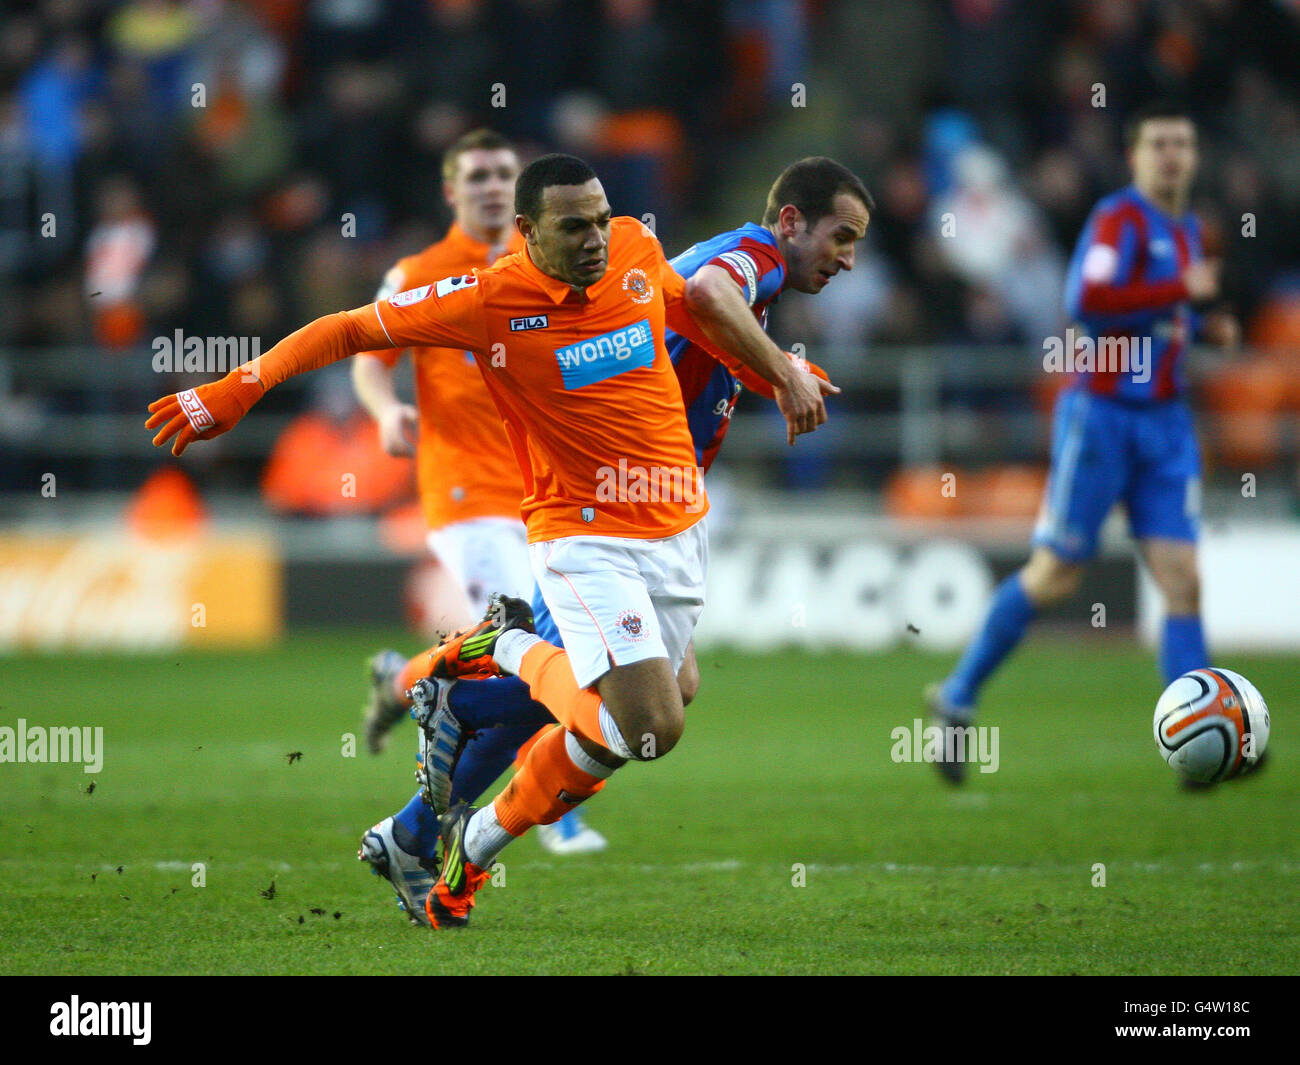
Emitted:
<point x="470" y="485"/>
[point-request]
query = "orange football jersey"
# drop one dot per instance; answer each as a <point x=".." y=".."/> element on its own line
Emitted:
<point x="583" y="382"/>
<point x="466" y="467"/>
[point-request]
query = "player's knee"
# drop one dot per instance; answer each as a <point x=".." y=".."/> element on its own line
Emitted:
<point x="1048" y="579"/>
<point x="655" y="733"/>
<point x="1066" y="581"/>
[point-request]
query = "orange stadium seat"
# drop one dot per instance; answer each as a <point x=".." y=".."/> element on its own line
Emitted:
<point x="1007" y="492"/>
<point x="1245" y="401"/>
<point x="917" y="492"/>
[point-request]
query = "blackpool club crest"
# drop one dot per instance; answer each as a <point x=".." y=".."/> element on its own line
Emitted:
<point x="637" y="285"/>
<point x="631" y="624"/>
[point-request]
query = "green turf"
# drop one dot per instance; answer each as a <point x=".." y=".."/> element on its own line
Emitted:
<point x="785" y="765"/>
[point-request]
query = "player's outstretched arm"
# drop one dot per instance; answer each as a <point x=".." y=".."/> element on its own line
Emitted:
<point x="717" y="307"/>
<point x="215" y="408"/>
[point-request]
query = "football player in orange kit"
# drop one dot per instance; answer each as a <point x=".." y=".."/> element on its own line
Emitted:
<point x="470" y="485"/>
<point x="569" y="336"/>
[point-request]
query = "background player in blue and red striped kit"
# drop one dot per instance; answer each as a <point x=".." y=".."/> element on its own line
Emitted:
<point x="816" y="212"/>
<point x="1122" y="431"/>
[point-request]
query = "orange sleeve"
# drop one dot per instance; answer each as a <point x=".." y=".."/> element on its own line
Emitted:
<point x="317" y="344"/>
<point x="446" y="314"/>
<point x="417" y="317"/>
<point x="393" y="283"/>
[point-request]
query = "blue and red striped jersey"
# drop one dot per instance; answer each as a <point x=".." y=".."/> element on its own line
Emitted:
<point x="1125" y="285"/>
<point x="709" y="389"/>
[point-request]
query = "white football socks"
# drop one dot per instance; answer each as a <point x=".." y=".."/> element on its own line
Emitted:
<point x="613" y="737"/>
<point x="583" y="760"/>
<point x="511" y="647"/>
<point x="485" y="838"/>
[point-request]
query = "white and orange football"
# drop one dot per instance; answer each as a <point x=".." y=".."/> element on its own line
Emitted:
<point x="1211" y="724"/>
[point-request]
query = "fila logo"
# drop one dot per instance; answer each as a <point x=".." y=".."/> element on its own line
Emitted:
<point x="518" y="325"/>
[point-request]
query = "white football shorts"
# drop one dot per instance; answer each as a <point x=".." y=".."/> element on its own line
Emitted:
<point x="487" y="555"/>
<point x="617" y="600"/>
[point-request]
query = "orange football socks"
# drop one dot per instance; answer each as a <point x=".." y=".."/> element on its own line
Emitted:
<point x="555" y="777"/>
<point x="417" y="668"/>
<point x="549" y="676"/>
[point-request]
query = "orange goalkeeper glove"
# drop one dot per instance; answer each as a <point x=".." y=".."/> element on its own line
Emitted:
<point x="204" y="412"/>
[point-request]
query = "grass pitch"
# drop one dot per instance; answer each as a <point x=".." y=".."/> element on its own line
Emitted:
<point x="784" y="778"/>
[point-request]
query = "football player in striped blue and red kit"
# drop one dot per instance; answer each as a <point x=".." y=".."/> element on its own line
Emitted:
<point x="1122" y="431"/>
<point x="816" y="212"/>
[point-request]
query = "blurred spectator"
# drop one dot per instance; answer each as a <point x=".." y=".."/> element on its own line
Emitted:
<point x="329" y="460"/>
<point x="160" y="36"/>
<point x="310" y="157"/>
<point x="994" y="239"/>
<point x="53" y="93"/>
<point x="118" y="248"/>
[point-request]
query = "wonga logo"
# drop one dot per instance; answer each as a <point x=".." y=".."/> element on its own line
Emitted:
<point x="607" y="355"/>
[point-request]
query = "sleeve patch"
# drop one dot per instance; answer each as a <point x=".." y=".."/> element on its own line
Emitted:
<point x="449" y="285"/>
<point x="411" y="295"/>
<point x="745" y="266"/>
<point x="1100" y="264"/>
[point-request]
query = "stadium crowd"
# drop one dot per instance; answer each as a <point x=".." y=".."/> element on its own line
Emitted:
<point x="238" y="167"/>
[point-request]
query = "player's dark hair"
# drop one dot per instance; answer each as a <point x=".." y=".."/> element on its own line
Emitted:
<point x="812" y="185"/>
<point x="476" y="139"/>
<point x="541" y="174"/>
<point x="1156" y="110"/>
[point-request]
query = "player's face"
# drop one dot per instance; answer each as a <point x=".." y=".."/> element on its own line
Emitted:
<point x="483" y="191"/>
<point x="815" y="254"/>
<point x="569" y="239"/>
<point x="1164" y="158"/>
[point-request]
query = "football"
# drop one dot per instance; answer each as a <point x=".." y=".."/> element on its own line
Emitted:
<point x="1211" y="724"/>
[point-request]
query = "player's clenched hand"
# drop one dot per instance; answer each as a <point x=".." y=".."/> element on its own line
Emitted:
<point x="204" y="412"/>
<point x="800" y="401"/>
<point x="398" y="426"/>
<point x="1202" y="280"/>
<point x="823" y="378"/>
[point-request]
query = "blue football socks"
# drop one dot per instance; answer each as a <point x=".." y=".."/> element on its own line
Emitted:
<point x="1182" y="646"/>
<point x="1003" y="629"/>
